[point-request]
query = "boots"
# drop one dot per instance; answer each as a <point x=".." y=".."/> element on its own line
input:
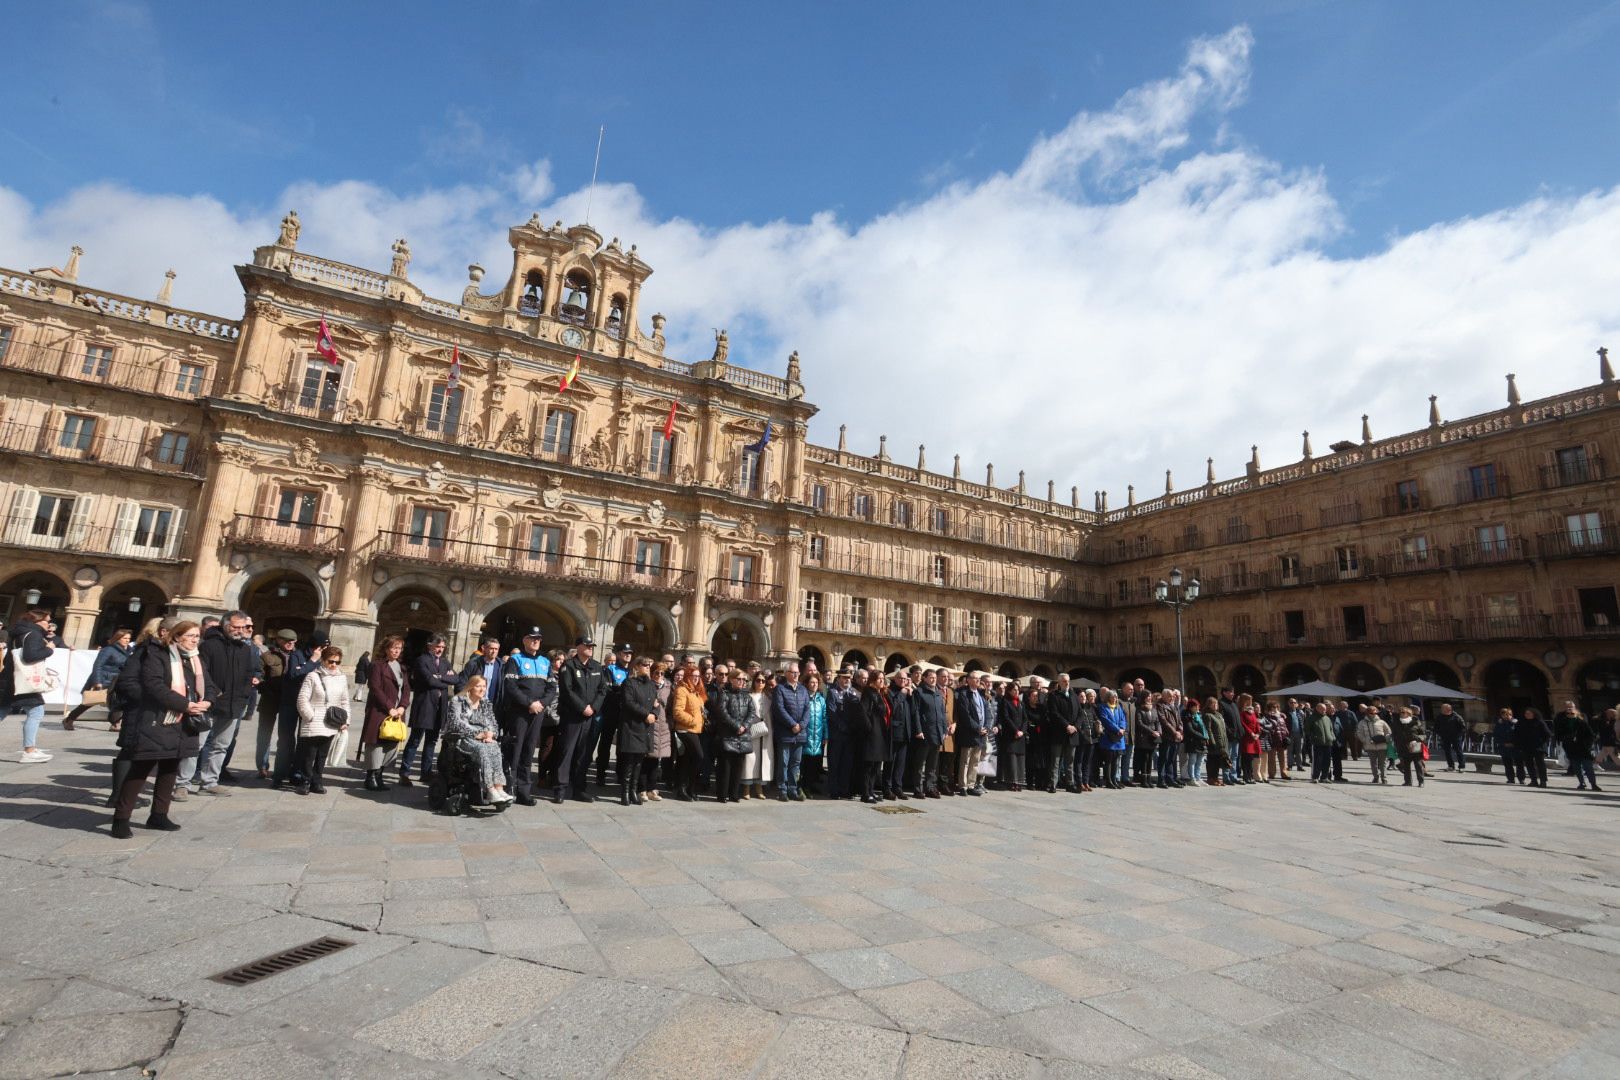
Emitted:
<point x="635" y="793"/>
<point x="120" y="773"/>
<point x="624" y="794"/>
<point x="371" y="780"/>
<point x="379" y="782"/>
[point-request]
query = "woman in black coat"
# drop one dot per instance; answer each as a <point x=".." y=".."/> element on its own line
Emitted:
<point x="432" y="681"/>
<point x="172" y="711"/>
<point x="638" y="713"/>
<point x="733" y="714"/>
<point x="1530" y="737"/>
<point x="874" y="739"/>
<point x="1012" y="733"/>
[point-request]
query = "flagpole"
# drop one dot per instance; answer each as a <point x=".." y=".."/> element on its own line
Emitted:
<point x="591" y="194"/>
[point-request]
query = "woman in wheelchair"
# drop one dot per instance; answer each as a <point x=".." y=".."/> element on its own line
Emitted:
<point x="472" y="725"/>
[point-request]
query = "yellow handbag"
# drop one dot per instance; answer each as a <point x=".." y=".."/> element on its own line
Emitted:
<point x="392" y="729"/>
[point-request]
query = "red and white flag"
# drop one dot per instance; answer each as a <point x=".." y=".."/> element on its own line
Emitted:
<point x="455" y="368"/>
<point x="324" y="346"/>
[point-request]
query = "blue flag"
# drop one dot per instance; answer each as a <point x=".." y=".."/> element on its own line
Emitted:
<point x="764" y="440"/>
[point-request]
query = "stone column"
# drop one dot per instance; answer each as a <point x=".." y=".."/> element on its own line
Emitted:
<point x="389" y="379"/>
<point x="253" y="349"/>
<point x="703" y="545"/>
<point x="787" y="613"/>
<point x="708" y="435"/>
<point x="793" y="481"/>
<point x="228" y="481"/>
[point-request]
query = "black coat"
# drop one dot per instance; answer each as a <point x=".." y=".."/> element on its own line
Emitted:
<point x="874" y="736"/>
<point x="903" y="724"/>
<point x="431" y="682"/>
<point x="1531" y="734"/>
<point x="144" y="735"/>
<point x="1012" y="720"/>
<point x="581" y="685"/>
<point x="929" y="706"/>
<point x="495" y="689"/>
<point x="1062" y="712"/>
<point x="969" y="732"/>
<point x="638" y="696"/>
<point x="232" y="665"/>
<point x="734" y="713"/>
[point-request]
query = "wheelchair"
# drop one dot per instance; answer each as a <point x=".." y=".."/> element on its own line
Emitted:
<point x="454" y="788"/>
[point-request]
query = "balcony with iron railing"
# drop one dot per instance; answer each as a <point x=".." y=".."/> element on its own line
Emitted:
<point x="512" y="561"/>
<point x="262" y="532"/>
<point x="726" y="590"/>
<point x="73" y="363"/>
<point x="1488" y="552"/>
<point x="1570" y="473"/>
<point x="1472" y="489"/>
<point x="1341" y="514"/>
<point x="1578" y="543"/>
<point x="150" y="455"/>
<point x="127" y="541"/>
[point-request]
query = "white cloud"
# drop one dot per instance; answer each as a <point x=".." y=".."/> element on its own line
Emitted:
<point x="1123" y="301"/>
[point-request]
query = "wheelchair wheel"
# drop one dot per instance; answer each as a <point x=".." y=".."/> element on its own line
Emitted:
<point x="438" y="792"/>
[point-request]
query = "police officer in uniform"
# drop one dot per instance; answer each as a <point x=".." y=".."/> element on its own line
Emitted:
<point x="605" y="733"/>
<point x="528" y="691"/>
<point x="582" y="688"/>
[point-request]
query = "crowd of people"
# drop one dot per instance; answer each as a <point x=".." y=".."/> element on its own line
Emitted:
<point x="528" y="722"/>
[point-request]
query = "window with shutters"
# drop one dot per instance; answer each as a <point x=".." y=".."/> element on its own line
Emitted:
<point x="1242" y="626"/>
<point x="812" y="609"/>
<point x="1144" y="635"/>
<point x="940" y="520"/>
<point x="1573" y="465"/>
<point x="936" y="623"/>
<point x="857" y="613"/>
<point x="52" y="514"/>
<point x="1585" y="529"/>
<point x="1071" y="635"/>
<point x="1492" y="540"/>
<point x="444" y="409"/>
<point x="322" y="386"/>
<point x="1355" y="622"/>
<point x="429" y="527"/>
<point x="900" y="513"/>
<point x="817" y="549"/>
<point x="650" y="557"/>
<point x="152" y="527"/>
<point x="1043" y="631"/>
<point x="660" y="453"/>
<point x="748" y="474"/>
<point x="1122" y="590"/>
<point x="975" y="625"/>
<point x="298" y="507"/>
<point x="174" y="448"/>
<point x="5" y="341"/>
<point x="939" y="570"/>
<point x="1348" y="561"/>
<point x="189" y="379"/>
<point x="900" y="620"/>
<point x="78" y="432"/>
<point x="97" y="361"/>
<point x="1288" y="567"/>
<point x="1480" y="482"/>
<point x="1009" y="629"/>
<point x="1294" y="626"/>
<point x="818" y="496"/>
<point x="1415" y="549"/>
<point x="1406" y="496"/>
<point x="861" y="506"/>
<point x="546" y="545"/>
<point x="557" y="439"/>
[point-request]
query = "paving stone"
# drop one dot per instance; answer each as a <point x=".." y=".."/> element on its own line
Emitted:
<point x="698" y="1041"/>
<point x="583" y="1032"/>
<point x="862" y="969"/>
<point x="938" y="1059"/>
<point x="454" y="1020"/>
<point x="1002" y="990"/>
<point x="809" y="1048"/>
<point x="98" y="1043"/>
<point x="924" y="1006"/>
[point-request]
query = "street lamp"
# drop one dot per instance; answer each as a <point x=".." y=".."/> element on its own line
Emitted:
<point x="1176" y="595"/>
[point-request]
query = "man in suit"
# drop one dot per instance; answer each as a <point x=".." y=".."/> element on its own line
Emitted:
<point x="1063" y="734"/>
<point x="432" y="682"/>
<point x="487" y="662"/>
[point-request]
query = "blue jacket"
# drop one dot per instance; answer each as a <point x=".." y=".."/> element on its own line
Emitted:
<point x="815" y="728"/>
<point x="109" y="662"/>
<point x="1114" y="724"/>
<point x="790" y="708"/>
<point x="930" y="708"/>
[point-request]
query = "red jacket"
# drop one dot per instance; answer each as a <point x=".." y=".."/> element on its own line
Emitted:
<point x="1250" y="743"/>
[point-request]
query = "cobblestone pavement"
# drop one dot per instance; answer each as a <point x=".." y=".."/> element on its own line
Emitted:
<point x="1466" y="929"/>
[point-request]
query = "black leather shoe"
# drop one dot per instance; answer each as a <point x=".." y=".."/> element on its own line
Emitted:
<point x="584" y="796"/>
<point x="557" y="798"/>
<point x="371" y="780"/>
<point x="161" y="823"/>
<point x="524" y="800"/>
<point x="121" y="829"/>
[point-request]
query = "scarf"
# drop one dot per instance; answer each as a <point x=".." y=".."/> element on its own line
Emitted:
<point x="177" y="678"/>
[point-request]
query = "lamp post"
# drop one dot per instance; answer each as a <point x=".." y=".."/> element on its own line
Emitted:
<point x="1176" y="595"/>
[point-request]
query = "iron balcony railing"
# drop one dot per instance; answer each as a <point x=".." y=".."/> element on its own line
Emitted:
<point x="509" y="560"/>
<point x="265" y="533"/>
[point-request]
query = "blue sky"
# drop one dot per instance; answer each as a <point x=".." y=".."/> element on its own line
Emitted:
<point x="1382" y="199"/>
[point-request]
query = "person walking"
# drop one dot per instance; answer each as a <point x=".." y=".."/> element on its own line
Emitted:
<point x="171" y="712"/>
<point x="1448" y="725"/>
<point x="432" y="682"/>
<point x="30" y="647"/>
<point x="233" y="667"/>
<point x="109" y="661"/>
<point x="690" y="703"/>
<point x="323" y="712"/>
<point x="1408" y="733"/>
<point x="1375" y="735"/>
<point x="1530" y="738"/>
<point x="1579" y="745"/>
<point x="388" y="698"/>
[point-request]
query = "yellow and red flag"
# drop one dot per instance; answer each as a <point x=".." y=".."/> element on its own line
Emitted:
<point x="573" y="373"/>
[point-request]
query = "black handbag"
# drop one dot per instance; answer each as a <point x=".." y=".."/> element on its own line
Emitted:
<point x="196" y="724"/>
<point x="336" y="717"/>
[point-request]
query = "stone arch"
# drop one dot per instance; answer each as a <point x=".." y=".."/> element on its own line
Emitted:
<point x="942" y="662"/>
<point x="54" y="594"/>
<point x="854" y="658"/>
<point x="1511" y="683"/>
<point x="115" y="611"/>
<point x="1597" y="685"/>
<point x="1150" y="678"/>
<point x="1434" y="671"/>
<point x="895" y="661"/>
<point x="239" y="583"/>
<point x="657" y="634"/>
<point x="732" y="630"/>
<point x="1247" y="679"/>
<point x="280" y="594"/>
<point x="509" y="614"/>
<point x="1360" y="676"/>
<point x="1295" y="674"/>
<point x="813" y="654"/>
<point x="1009" y="670"/>
<point x="1044" y="671"/>
<point x="1086" y="673"/>
<point x="975" y="664"/>
<point x="1201" y="682"/>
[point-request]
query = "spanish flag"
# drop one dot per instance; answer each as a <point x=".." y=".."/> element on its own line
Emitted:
<point x="573" y="373"/>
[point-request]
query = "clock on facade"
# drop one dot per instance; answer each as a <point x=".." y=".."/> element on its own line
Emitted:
<point x="572" y="337"/>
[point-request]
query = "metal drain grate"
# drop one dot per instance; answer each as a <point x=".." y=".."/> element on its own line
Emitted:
<point x="276" y="963"/>
<point x="897" y="809"/>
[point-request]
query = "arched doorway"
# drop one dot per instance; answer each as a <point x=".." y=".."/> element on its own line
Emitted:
<point x="511" y="620"/>
<point x="854" y="658"/>
<point x="1434" y="671"/>
<point x="1516" y="685"/>
<point x="1201" y="682"/>
<point x="643" y="631"/>
<point x="282" y="600"/>
<point x="974" y="665"/>
<point x="1044" y="671"/>
<point x="737" y="640"/>
<point x="1008" y="670"/>
<point x="33" y="589"/>
<point x="1597" y="686"/>
<point x="895" y="662"/>
<point x="1359" y="676"/>
<point x="1295" y="675"/>
<point x="1247" y="679"/>
<point x="414" y="613"/>
<point x="809" y="654"/>
<point x="127" y="606"/>
<point x="1086" y="673"/>
<point x="940" y="661"/>
<point x="1150" y="678"/>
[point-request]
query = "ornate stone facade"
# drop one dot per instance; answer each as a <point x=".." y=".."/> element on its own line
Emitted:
<point x="439" y="478"/>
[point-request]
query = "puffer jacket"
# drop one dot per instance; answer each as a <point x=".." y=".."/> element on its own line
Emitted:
<point x="320" y="690"/>
<point x="638" y="699"/>
<point x="148" y="732"/>
<point x="736" y="713"/>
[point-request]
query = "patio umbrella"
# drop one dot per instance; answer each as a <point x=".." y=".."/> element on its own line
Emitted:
<point x="1316" y="688"/>
<point x="1423" y="690"/>
<point x="1080" y="682"/>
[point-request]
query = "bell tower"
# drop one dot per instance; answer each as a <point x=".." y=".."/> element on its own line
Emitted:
<point x="567" y="286"/>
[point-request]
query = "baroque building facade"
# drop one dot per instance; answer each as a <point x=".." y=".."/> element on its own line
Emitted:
<point x="532" y="456"/>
